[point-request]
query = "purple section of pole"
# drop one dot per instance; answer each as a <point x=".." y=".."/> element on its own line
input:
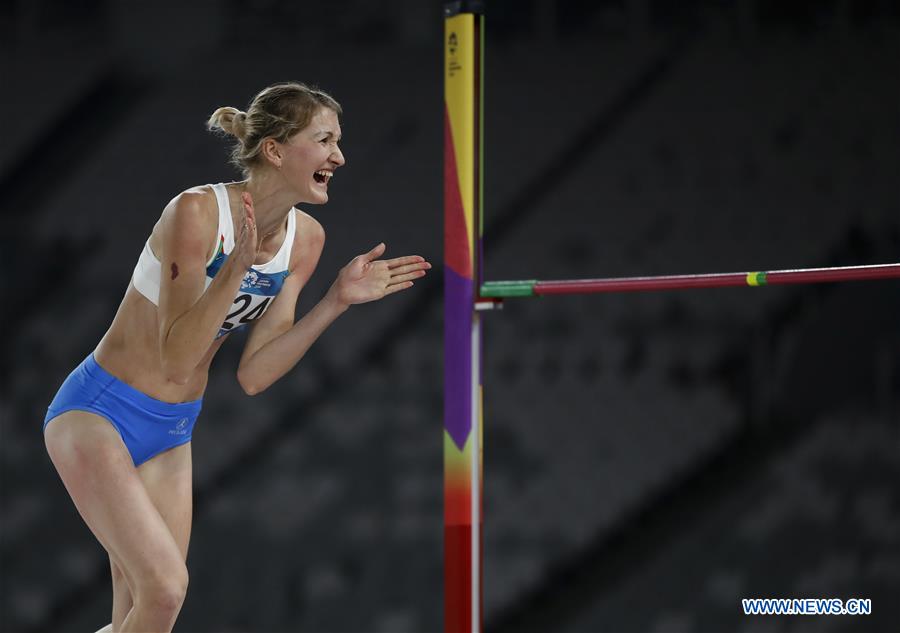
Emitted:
<point x="458" y="298"/>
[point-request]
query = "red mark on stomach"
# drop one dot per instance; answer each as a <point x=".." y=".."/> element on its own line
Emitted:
<point x="174" y="270"/>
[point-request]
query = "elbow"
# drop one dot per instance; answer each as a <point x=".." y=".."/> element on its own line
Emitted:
<point x="250" y="390"/>
<point x="250" y="387"/>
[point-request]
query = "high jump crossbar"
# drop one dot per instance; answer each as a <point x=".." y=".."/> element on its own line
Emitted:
<point x="465" y="294"/>
<point x="533" y="287"/>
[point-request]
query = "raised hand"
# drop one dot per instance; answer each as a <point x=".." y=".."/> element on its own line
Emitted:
<point x="367" y="278"/>
<point x="245" y="246"/>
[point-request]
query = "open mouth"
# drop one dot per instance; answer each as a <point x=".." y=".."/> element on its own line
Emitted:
<point x="322" y="176"/>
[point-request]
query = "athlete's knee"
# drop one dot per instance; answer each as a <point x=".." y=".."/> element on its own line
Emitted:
<point x="165" y="592"/>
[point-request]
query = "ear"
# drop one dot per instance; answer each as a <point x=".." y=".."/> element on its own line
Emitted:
<point x="271" y="151"/>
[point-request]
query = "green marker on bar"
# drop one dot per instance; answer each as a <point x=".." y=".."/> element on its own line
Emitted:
<point x="523" y="288"/>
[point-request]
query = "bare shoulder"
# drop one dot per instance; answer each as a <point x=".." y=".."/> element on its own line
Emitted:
<point x="309" y="239"/>
<point x="309" y="228"/>
<point x="195" y="203"/>
<point x="191" y="215"/>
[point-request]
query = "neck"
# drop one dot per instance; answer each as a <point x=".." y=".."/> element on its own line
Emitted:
<point x="271" y="203"/>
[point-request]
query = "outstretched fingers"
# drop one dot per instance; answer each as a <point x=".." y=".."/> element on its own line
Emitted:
<point x="404" y="270"/>
<point x="396" y="287"/>
<point x="375" y="278"/>
<point x="406" y="275"/>
<point x="405" y="265"/>
<point x="406" y="261"/>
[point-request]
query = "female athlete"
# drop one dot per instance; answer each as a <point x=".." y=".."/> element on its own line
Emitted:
<point x="221" y="258"/>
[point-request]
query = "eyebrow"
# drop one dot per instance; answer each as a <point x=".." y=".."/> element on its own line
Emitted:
<point x="328" y="133"/>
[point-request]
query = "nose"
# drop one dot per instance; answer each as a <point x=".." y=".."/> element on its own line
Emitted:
<point x="337" y="156"/>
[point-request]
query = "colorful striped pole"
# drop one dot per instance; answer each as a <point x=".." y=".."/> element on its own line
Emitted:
<point x="533" y="287"/>
<point x="463" y="229"/>
<point x="463" y="46"/>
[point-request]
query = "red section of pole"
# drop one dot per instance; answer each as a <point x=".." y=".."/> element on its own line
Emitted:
<point x="458" y="579"/>
<point x="718" y="280"/>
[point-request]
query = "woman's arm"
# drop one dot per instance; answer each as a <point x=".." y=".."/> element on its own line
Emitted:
<point x="279" y="318"/>
<point x="189" y="318"/>
<point x="257" y="371"/>
<point x="275" y="349"/>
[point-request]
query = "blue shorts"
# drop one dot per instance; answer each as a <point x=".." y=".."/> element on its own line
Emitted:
<point x="147" y="426"/>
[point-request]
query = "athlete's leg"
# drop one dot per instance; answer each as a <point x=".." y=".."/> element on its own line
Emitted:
<point x="122" y="600"/>
<point x="168" y="481"/>
<point x="98" y="472"/>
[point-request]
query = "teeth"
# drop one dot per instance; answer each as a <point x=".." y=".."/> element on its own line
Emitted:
<point x="325" y="174"/>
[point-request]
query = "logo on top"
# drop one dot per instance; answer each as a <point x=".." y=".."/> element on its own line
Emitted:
<point x="253" y="280"/>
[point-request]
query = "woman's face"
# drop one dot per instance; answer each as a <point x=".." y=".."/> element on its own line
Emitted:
<point x="311" y="156"/>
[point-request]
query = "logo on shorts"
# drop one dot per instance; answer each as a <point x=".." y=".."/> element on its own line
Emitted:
<point x="179" y="428"/>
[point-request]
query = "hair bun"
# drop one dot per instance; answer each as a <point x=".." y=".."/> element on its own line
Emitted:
<point x="230" y="120"/>
<point x="239" y="125"/>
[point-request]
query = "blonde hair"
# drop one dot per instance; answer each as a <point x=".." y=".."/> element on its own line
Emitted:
<point x="277" y="112"/>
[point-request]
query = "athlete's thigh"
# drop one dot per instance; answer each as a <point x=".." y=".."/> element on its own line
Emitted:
<point x="98" y="472"/>
<point x="169" y="483"/>
<point x="167" y="479"/>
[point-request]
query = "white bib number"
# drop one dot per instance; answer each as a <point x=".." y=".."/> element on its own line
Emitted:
<point x="246" y="308"/>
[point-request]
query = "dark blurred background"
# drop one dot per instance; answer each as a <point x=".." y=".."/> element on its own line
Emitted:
<point x="650" y="459"/>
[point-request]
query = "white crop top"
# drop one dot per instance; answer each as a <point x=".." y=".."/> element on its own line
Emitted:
<point x="259" y="287"/>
